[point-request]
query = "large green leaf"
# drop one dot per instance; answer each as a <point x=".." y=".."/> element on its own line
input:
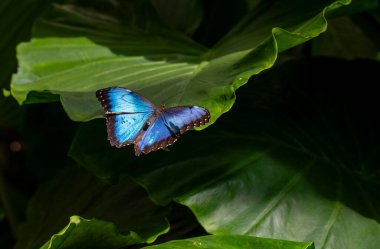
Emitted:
<point x="233" y="242"/>
<point x="281" y="204"/>
<point x="83" y="233"/>
<point x="134" y="49"/>
<point x="119" y="215"/>
<point x="296" y="160"/>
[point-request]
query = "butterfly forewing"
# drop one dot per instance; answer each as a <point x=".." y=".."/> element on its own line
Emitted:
<point x="122" y="100"/>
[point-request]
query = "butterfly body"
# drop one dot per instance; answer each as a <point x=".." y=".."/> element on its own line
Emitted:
<point x="132" y="119"/>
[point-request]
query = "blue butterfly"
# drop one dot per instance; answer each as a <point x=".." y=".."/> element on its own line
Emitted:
<point x="132" y="119"/>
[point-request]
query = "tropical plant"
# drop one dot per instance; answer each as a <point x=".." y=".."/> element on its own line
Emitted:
<point x="289" y="160"/>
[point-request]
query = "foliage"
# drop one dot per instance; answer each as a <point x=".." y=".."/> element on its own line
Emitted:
<point x="231" y="242"/>
<point x="292" y="164"/>
<point x="148" y="57"/>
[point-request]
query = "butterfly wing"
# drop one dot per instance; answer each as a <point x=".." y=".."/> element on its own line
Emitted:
<point x="123" y="129"/>
<point x="126" y="114"/>
<point x="182" y="118"/>
<point x="169" y="125"/>
<point x="122" y="100"/>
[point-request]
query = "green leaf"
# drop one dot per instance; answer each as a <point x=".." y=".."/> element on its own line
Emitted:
<point x="144" y="55"/>
<point x="282" y="204"/>
<point x="283" y="165"/>
<point x="232" y="242"/>
<point x="83" y="233"/>
<point x="125" y="27"/>
<point x="116" y="216"/>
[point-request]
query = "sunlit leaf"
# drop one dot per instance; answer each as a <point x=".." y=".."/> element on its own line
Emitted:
<point x="141" y="53"/>
<point x="83" y="233"/>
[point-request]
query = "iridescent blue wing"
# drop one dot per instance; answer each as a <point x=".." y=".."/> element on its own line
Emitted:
<point x="169" y="125"/>
<point x="123" y="129"/>
<point x="123" y="100"/>
<point x="126" y="113"/>
<point x="182" y="118"/>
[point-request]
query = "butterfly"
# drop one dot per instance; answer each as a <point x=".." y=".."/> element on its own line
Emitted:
<point x="132" y="119"/>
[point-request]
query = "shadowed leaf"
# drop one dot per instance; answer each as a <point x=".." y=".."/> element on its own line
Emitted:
<point x="296" y="161"/>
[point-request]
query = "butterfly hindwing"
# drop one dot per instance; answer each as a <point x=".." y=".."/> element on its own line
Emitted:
<point x="169" y="125"/>
<point x="157" y="136"/>
<point x="183" y="118"/>
<point x="122" y="129"/>
<point x="126" y="113"/>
